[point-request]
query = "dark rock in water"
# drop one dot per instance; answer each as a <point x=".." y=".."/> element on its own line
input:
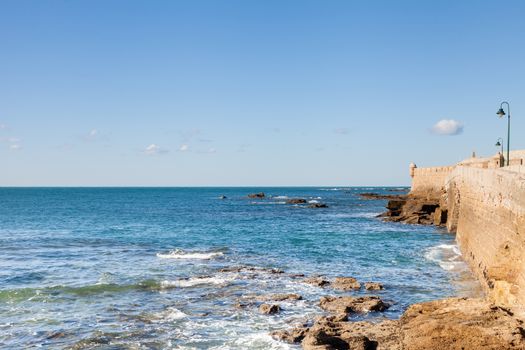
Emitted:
<point x="257" y="195"/>
<point x="317" y="281"/>
<point x="283" y="297"/>
<point x="346" y="283"/>
<point x="223" y="197"/>
<point x="296" y="201"/>
<point x="415" y="210"/>
<point x="269" y="309"/>
<point x="318" y="205"/>
<point x="347" y="304"/>
<point x="373" y="286"/>
<point x="371" y="195"/>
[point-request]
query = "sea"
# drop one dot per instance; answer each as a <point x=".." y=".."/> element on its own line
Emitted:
<point x="183" y="268"/>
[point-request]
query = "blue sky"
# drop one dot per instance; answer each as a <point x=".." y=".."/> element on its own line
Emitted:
<point x="241" y="93"/>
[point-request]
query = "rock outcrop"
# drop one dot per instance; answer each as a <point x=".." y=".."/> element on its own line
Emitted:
<point x="257" y="195"/>
<point x="349" y="304"/>
<point x="346" y="283"/>
<point x="450" y="324"/>
<point x="373" y="286"/>
<point x="269" y="309"/>
<point x="296" y="201"/>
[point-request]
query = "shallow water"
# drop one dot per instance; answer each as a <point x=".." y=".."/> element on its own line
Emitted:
<point x="140" y="268"/>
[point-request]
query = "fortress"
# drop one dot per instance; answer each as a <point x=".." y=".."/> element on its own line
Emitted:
<point x="484" y="204"/>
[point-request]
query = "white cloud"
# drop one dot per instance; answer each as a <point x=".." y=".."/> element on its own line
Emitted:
<point x="3" y="126"/>
<point x="93" y="132"/>
<point x="447" y="127"/>
<point x="153" y="149"/>
<point x="15" y="147"/>
<point x="184" y="148"/>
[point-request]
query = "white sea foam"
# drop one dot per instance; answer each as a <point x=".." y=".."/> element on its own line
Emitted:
<point x="170" y="314"/>
<point x="447" y="256"/>
<point x="313" y="201"/>
<point x="193" y="282"/>
<point x="280" y="197"/>
<point x="180" y="254"/>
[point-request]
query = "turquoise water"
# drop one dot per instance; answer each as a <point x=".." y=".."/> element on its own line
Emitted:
<point x="147" y="268"/>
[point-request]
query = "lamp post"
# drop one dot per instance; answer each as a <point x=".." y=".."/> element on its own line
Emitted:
<point x="500" y="143"/>
<point x="501" y="114"/>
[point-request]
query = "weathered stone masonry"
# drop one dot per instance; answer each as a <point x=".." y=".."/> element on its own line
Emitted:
<point x="485" y="205"/>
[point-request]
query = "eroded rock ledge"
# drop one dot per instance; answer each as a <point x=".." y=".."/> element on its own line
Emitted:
<point x="416" y="209"/>
<point x="450" y="324"/>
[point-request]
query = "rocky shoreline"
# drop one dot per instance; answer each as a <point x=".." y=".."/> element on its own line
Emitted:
<point x="453" y="323"/>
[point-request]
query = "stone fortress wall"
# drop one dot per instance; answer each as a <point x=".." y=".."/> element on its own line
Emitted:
<point x="485" y="206"/>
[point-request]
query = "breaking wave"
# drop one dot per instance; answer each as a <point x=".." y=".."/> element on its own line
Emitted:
<point x="447" y="256"/>
<point x="180" y="254"/>
<point x="192" y="282"/>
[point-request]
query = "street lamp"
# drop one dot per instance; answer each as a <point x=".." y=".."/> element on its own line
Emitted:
<point x="500" y="143"/>
<point x="501" y="114"/>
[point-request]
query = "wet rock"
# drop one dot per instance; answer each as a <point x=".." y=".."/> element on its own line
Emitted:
<point x="295" y="335"/>
<point x="373" y="286"/>
<point x="55" y="335"/>
<point x="283" y="297"/>
<point x="257" y="195"/>
<point x="318" y="205"/>
<point x="269" y="309"/>
<point x="222" y="197"/>
<point x="348" y="304"/>
<point x="317" y="281"/>
<point x="275" y="297"/>
<point x="416" y="209"/>
<point x="346" y="283"/>
<point x="296" y="201"/>
<point x="370" y="195"/>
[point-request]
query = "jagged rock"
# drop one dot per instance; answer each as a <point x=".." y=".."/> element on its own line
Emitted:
<point x="348" y="304"/>
<point x="257" y="195"/>
<point x="326" y="334"/>
<point x="295" y="335"/>
<point x="318" y="205"/>
<point x="346" y="283"/>
<point x="278" y="297"/>
<point x="461" y="323"/>
<point x="317" y="281"/>
<point x="449" y="324"/>
<point x="269" y="309"/>
<point x="373" y="286"/>
<point x="370" y="195"/>
<point x="296" y="201"/>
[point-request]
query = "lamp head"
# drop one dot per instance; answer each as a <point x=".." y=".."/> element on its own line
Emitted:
<point x="501" y="113"/>
<point x="498" y="144"/>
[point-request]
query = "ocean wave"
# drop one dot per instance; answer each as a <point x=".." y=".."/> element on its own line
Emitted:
<point x="447" y="256"/>
<point x="193" y="282"/>
<point x="280" y="197"/>
<point x="170" y="314"/>
<point x="313" y="201"/>
<point x="180" y="254"/>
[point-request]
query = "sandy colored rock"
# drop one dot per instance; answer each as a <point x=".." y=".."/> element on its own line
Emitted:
<point x="269" y="309"/>
<point x="373" y="286"/>
<point x="317" y="281"/>
<point x="348" y="304"/>
<point x="346" y="283"/>
<point x="294" y="335"/>
<point x="326" y="334"/>
<point x="460" y="323"/>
